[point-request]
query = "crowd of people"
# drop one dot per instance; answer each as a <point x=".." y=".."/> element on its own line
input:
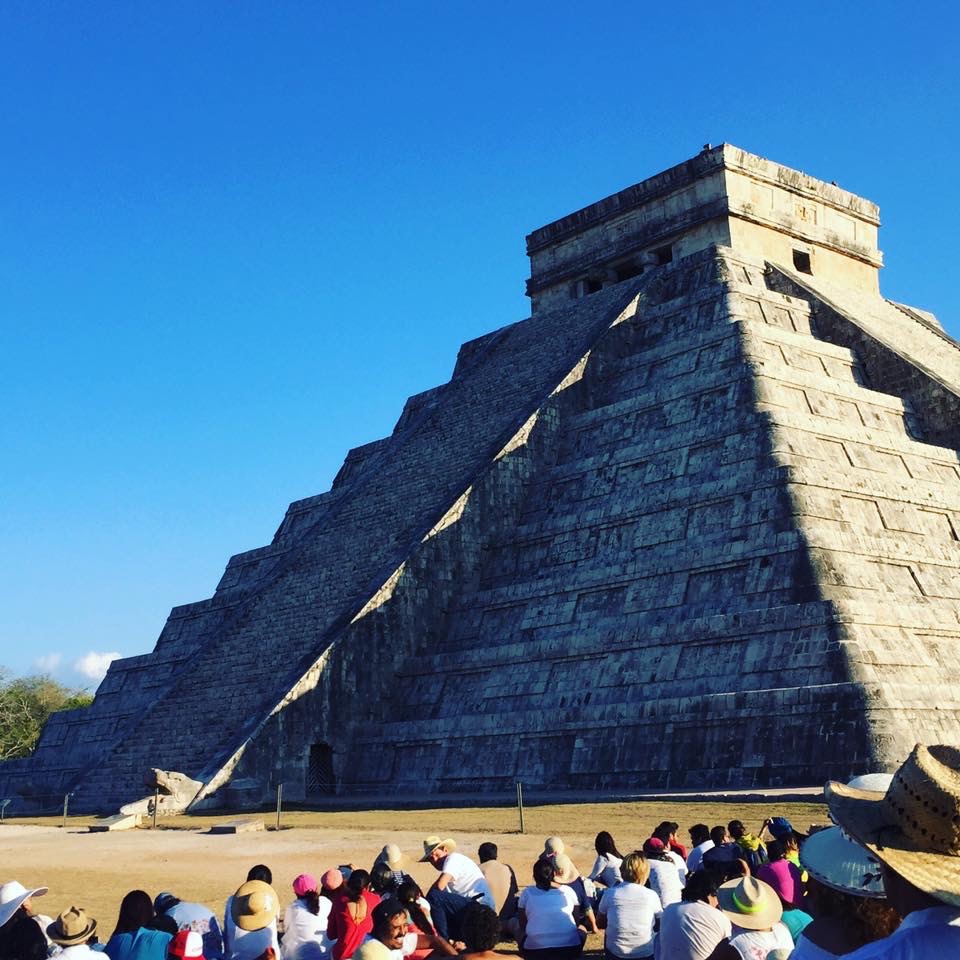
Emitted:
<point x="883" y="882"/>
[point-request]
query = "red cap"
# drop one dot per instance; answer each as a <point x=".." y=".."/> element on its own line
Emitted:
<point x="187" y="945"/>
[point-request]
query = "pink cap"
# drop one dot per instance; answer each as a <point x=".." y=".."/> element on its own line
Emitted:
<point x="305" y="883"/>
<point x="653" y="843"/>
<point x="332" y="879"/>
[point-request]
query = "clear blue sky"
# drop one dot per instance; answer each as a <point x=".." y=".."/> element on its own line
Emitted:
<point x="234" y="237"/>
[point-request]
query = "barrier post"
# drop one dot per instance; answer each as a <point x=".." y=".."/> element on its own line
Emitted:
<point x="279" y="800"/>
<point x="520" y="804"/>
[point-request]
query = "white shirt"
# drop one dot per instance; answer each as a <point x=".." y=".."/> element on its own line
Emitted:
<point x="756" y="944"/>
<point x="665" y="881"/>
<point x="305" y="933"/>
<point x="81" y="951"/>
<point x="630" y="909"/>
<point x="606" y="870"/>
<point x="691" y="931"/>
<point x="681" y="865"/>
<point x="931" y="934"/>
<point x="466" y="879"/>
<point x="550" y="921"/>
<point x="239" y="944"/>
<point x="695" y="857"/>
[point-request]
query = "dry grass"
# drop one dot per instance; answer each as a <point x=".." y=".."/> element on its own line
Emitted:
<point x="96" y="870"/>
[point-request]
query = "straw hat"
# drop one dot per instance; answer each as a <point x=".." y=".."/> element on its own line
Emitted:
<point x="254" y="905"/>
<point x="433" y="843"/>
<point x="73" y="926"/>
<point x="12" y="896"/>
<point x="750" y="903"/>
<point x="914" y="828"/>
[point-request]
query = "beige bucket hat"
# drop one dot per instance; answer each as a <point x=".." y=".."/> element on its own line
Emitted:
<point x="914" y="828"/>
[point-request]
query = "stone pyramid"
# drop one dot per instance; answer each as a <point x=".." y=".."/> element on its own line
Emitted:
<point x="694" y="523"/>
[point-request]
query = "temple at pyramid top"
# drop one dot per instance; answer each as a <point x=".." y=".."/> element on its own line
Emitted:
<point x="725" y="196"/>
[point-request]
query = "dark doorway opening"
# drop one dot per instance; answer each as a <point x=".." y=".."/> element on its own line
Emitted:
<point x="320" y="779"/>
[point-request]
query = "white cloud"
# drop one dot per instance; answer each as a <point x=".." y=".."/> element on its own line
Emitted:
<point x="94" y="665"/>
<point x="48" y="662"/>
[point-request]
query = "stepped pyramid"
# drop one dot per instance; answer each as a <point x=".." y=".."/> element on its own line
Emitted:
<point x="694" y="523"/>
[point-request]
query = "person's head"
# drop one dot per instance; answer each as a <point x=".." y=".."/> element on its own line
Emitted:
<point x="435" y="851"/>
<point x="750" y="903"/>
<point x="186" y="945"/>
<point x="662" y="832"/>
<point x="864" y="918"/>
<point x="23" y="939"/>
<point x="16" y="898"/>
<point x="654" y="849"/>
<point x="701" y="887"/>
<point x="163" y="902"/>
<point x="605" y="846"/>
<point x="356" y="883"/>
<point x="699" y="833"/>
<point x="487" y="851"/>
<point x="305" y="890"/>
<point x="635" y="868"/>
<point x="543" y="873"/>
<point x="736" y="829"/>
<point x="331" y="883"/>
<point x="480" y="928"/>
<point x="552" y="846"/>
<point x="390" y="923"/>
<point x="381" y="878"/>
<point x="776" y="850"/>
<point x="72" y="927"/>
<point x="409" y="894"/>
<point x="719" y="835"/>
<point x="136" y="911"/>
<point x="260" y="872"/>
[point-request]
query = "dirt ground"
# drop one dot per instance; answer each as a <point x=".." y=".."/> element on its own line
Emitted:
<point x="95" y="870"/>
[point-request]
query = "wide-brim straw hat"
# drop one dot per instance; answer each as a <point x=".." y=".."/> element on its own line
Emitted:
<point x="835" y="860"/>
<point x="914" y="828"/>
<point x="72" y="927"/>
<point x="254" y="905"/>
<point x="12" y="896"/>
<point x="434" y="842"/>
<point x="750" y="903"/>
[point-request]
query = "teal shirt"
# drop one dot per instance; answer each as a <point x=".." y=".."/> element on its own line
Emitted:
<point x="143" y="944"/>
<point x="795" y="921"/>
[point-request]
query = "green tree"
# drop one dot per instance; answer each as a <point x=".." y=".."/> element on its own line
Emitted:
<point x="25" y="705"/>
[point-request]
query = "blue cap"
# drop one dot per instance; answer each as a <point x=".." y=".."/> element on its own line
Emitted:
<point x="781" y="828"/>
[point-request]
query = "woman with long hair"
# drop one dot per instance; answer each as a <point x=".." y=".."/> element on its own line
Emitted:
<point x="305" y="922"/>
<point x="606" y="868"/>
<point x="131" y="940"/>
<point x="350" y="916"/>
